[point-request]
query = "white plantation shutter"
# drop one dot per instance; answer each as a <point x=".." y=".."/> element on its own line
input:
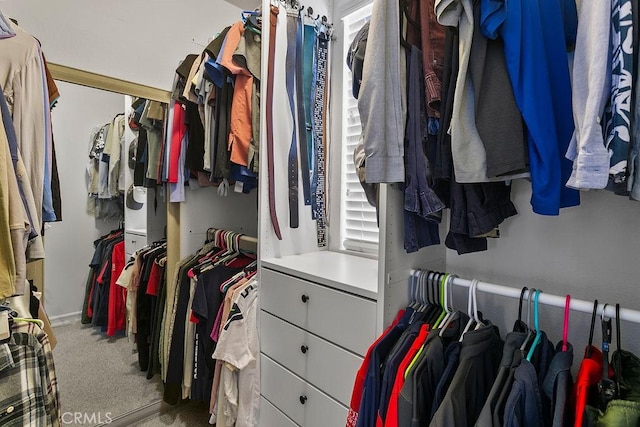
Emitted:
<point x="359" y="227"/>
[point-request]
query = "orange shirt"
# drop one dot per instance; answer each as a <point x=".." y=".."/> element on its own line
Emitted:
<point x="240" y="132"/>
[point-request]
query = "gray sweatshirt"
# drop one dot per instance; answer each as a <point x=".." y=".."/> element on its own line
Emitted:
<point x="382" y="100"/>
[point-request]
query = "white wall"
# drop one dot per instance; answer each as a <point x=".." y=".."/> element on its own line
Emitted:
<point x="590" y="251"/>
<point x="69" y="244"/>
<point x="137" y="40"/>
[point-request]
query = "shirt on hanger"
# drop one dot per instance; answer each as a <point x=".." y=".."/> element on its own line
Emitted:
<point x="479" y="361"/>
<point x="557" y="387"/>
<point x="512" y="343"/>
<point x="358" y="386"/>
<point x="391" y="416"/>
<point x="238" y="347"/>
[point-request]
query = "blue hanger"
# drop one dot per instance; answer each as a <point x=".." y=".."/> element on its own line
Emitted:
<point x="536" y="323"/>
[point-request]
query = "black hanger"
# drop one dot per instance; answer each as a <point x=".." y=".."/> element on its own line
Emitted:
<point x="618" y="359"/>
<point x="606" y="386"/>
<point x="519" y="325"/>
<point x="587" y="353"/>
<point x="404" y="9"/>
<point x="436" y="308"/>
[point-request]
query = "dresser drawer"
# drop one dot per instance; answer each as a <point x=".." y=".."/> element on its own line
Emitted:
<point x="270" y="416"/>
<point x="341" y="318"/>
<point x="282" y="389"/>
<point x="133" y="242"/>
<point x="282" y="342"/>
<point x="325" y="365"/>
<point x="300" y="401"/>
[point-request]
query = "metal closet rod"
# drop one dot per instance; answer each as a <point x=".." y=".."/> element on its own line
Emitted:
<point x="552" y="300"/>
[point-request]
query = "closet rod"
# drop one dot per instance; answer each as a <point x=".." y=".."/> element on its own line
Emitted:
<point x="552" y="300"/>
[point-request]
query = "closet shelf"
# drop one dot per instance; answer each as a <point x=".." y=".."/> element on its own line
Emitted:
<point x="349" y="273"/>
<point x="138" y="231"/>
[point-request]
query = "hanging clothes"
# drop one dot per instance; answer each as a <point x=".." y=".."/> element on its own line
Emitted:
<point x="535" y="39"/>
<point x="104" y="301"/>
<point x="23" y="81"/>
<point x="30" y="392"/>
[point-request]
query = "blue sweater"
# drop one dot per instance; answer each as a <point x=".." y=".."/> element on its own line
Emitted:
<point x="535" y="34"/>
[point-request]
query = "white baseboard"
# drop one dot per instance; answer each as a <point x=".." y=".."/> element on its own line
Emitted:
<point x="65" y="319"/>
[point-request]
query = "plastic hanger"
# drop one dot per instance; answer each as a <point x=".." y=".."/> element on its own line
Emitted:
<point x="469" y="310"/>
<point x="434" y="293"/>
<point x="530" y="330"/>
<point x="432" y="309"/>
<point x="607" y="388"/>
<point x="410" y="288"/>
<point x="519" y="325"/>
<point x="424" y="298"/>
<point x="565" y="325"/>
<point x="536" y="325"/>
<point x="36" y="321"/>
<point x="416" y="289"/>
<point x="618" y="368"/>
<point x="453" y="313"/>
<point x="443" y="310"/>
<point x="419" y="300"/>
<point x="479" y="323"/>
<point x="589" y="349"/>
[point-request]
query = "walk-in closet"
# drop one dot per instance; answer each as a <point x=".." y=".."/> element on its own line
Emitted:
<point x="319" y="213"/>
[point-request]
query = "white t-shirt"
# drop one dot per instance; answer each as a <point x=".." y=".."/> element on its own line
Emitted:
<point x="238" y="347"/>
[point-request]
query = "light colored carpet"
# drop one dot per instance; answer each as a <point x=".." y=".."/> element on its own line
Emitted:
<point x="100" y="375"/>
<point x="187" y="414"/>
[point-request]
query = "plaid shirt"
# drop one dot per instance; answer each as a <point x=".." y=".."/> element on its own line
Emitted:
<point x="47" y="367"/>
<point x="22" y="395"/>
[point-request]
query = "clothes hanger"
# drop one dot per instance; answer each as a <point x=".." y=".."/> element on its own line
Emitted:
<point x="589" y="349"/>
<point x="23" y="319"/>
<point x="479" y="323"/>
<point x="413" y="289"/>
<point x="536" y="325"/>
<point x="469" y="310"/>
<point x="519" y="325"/>
<point x="618" y="368"/>
<point x="530" y="331"/>
<point x="435" y="309"/>
<point x="565" y="325"/>
<point x="455" y="314"/>
<point x="606" y="386"/>
<point x="403" y="9"/>
<point x="247" y="272"/>
<point x="441" y="294"/>
<point x="428" y="290"/>
<point x="421" y="286"/>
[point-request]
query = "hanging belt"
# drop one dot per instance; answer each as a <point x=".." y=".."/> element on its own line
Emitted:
<point x="319" y="115"/>
<point x="293" y="148"/>
<point x="313" y="119"/>
<point x="308" y="79"/>
<point x="270" y="166"/>
<point x="302" y="131"/>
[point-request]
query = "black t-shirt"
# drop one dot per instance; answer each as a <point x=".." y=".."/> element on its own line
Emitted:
<point x="195" y="150"/>
<point x="207" y="300"/>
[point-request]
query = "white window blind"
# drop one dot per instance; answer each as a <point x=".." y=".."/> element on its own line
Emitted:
<point x="359" y="226"/>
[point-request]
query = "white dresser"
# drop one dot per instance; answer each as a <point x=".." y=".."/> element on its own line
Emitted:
<point x="317" y="319"/>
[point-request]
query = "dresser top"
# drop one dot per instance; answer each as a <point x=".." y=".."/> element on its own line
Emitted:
<point x="350" y="273"/>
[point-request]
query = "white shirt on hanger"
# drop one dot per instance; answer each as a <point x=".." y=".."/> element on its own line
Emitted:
<point x="238" y="347"/>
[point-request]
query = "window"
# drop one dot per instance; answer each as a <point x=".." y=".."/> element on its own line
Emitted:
<point x="358" y="224"/>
